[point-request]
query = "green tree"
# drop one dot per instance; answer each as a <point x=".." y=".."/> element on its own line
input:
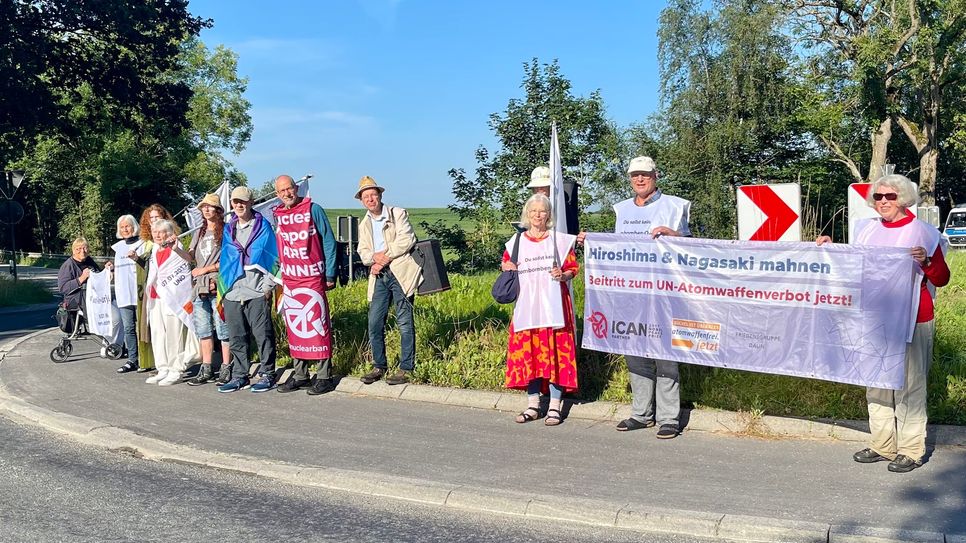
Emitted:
<point x="51" y="51"/>
<point x="729" y="107"/>
<point x="108" y="167"/>
<point x="884" y="65"/>
<point x="589" y="146"/>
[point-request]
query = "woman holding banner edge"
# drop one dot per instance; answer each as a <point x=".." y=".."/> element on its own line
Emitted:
<point x="897" y="418"/>
<point x="541" y="349"/>
<point x="168" y="305"/>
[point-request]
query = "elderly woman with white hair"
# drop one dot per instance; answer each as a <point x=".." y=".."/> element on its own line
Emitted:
<point x="897" y="418"/>
<point x="126" y="250"/>
<point x="168" y="305"/>
<point x="541" y="349"/>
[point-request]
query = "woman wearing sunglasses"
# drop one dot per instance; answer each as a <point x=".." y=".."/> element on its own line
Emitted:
<point x="897" y="418"/>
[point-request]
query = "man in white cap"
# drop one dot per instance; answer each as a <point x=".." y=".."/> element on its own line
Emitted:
<point x="249" y="258"/>
<point x="540" y="181"/>
<point x="655" y="384"/>
<point x="386" y="239"/>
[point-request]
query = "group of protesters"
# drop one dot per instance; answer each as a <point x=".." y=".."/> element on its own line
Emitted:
<point x="541" y="353"/>
<point x="174" y="303"/>
<point x="232" y="266"/>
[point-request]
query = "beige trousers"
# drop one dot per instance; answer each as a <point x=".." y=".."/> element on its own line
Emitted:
<point x="897" y="418"/>
<point x="167" y="339"/>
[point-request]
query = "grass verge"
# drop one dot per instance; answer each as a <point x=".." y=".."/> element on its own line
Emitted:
<point x="461" y="340"/>
<point x="22" y="292"/>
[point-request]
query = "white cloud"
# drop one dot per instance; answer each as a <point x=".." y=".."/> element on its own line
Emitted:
<point x="274" y="118"/>
<point x="288" y="51"/>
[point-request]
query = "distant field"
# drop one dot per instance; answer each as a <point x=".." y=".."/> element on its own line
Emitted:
<point x="416" y="216"/>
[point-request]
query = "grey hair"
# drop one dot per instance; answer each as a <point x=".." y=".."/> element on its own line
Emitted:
<point x="131" y="221"/>
<point x="903" y="186"/>
<point x="524" y="215"/>
<point x="163" y="224"/>
<point x="79" y="240"/>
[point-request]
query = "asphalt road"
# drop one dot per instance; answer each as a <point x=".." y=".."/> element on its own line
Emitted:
<point x="19" y="323"/>
<point x="57" y="490"/>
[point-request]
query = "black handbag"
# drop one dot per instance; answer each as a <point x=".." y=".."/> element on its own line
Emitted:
<point x="506" y="289"/>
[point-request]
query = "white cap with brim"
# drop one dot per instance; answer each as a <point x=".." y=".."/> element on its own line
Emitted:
<point x="641" y="164"/>
<point x="540" y="177"/>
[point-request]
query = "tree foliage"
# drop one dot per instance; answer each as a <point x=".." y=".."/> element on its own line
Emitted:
<point x="52" y="52"/>
<point x="98" y="164"/>
<point x="589" y="147"/>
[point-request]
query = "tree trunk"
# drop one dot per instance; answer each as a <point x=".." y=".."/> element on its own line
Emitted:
<point x="880" y="148"/>
<point x="928" y="172"/>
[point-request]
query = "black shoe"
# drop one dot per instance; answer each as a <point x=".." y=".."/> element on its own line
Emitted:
<point x="224" y="374"/>
<point x="668" y="431"/>
<point x="373" y="376"/>
<point x="399" y="377"/>
<point x="633" y="424"/>
<point x="293" y="384"/>
<point x="204" y="376"/>
<point x="321" y="386"/>
<point x="903" y="464"/>
<point x="868" y="456"/>
<point x="127" y="367"/>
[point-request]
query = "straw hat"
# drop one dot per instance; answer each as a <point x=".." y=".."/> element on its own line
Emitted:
<point x="368" y="183"/>
<point x="211" y="200"/>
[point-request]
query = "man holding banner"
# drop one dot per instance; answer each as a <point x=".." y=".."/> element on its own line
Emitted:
<point x="308" y="268"/>
<point x="655" y="383"/>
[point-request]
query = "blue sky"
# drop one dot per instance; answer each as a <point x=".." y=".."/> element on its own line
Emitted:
<point x="402" y="89"/>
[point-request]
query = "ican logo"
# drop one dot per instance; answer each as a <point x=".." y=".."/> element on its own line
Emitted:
<point x="622" y="329"/>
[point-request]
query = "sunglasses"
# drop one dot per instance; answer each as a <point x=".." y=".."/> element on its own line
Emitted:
<point x="891" y="196"/>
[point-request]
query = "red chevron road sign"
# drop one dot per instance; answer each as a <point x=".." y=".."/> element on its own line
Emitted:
<point x="770" y="212"/>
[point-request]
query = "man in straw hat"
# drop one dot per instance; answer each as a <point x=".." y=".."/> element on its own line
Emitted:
<point x="385" y="241"/>
<point x="308" y="264"/>
<point x="655" y="384"/>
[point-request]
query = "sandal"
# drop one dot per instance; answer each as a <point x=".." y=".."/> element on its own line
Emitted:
<point x="525" y="415"/>
<point x="553" y="420"/>
<point x="633" y="424"/>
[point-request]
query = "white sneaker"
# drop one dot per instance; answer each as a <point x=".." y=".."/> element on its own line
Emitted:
<point x="157" y="377"/>
<point x="172" y="378"/>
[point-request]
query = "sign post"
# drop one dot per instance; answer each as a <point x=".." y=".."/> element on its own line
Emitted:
<point x="12" y="212"/>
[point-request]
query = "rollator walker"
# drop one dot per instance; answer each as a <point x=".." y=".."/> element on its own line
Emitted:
<point x="72" y="322"/>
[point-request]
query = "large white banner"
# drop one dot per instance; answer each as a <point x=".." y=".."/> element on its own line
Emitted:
<point x="838" y="313"/>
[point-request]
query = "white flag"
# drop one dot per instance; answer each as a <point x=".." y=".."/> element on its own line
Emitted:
<point x="556" y="184"/>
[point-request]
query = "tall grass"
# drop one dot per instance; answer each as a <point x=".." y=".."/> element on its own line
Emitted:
<point x="461" y="338"/>
<point x="22" y="292"/>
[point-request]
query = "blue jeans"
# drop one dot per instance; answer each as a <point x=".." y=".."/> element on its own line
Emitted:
<point x="388" y="289"/>
<point x="129" y="318"/>
<point x="207" y="319"/>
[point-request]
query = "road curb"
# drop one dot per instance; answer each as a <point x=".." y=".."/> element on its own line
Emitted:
<point x="703" y="420"/>
<point x="561" y="508"/>
<point x="602" y="513"/>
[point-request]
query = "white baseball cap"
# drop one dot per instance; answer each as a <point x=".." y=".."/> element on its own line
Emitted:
<point x="540" y="177"/>
<point x="641" y="164"/>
